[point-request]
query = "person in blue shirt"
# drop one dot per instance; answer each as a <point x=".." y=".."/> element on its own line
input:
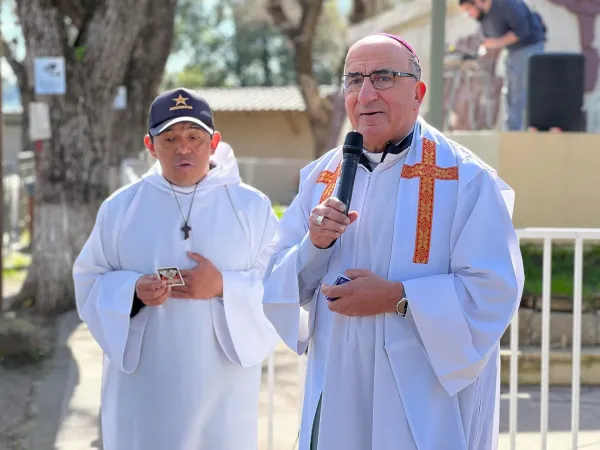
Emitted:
<point x="513" y="25"/>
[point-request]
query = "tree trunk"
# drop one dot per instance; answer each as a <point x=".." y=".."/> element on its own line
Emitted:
<point x="72" y="180"/>
<point x="302" y="37"/>
<point x="142" y="79"/>
<point x="325" y="114"/>
<point x="361" y="11"/>
<point x="318" y="108"/>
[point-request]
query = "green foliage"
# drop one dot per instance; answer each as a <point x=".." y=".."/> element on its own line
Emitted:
<point x="80" y="52"/>
<point x="279" y="210"/>
<point x="562" y="271"/>
<point x="231" y="44"/>
<point x="14" y="263"/>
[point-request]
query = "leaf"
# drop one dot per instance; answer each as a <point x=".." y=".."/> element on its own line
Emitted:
<point x="80" y="53"/>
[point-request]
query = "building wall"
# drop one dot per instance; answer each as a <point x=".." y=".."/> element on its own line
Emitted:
<point x="573" y="26"/>
<point x="267" y="134"/>
<point x="554" y="175"/>
<point x="271" y="148"/>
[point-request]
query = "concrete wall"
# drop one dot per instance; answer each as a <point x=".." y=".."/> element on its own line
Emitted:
<point x="555" y="176"/>
<point x="486" y="144"/>
<point x="267" y="134"/>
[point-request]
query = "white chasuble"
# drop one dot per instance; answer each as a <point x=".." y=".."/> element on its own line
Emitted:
<point x="437" y="219"/>
<point x="184" y="375"/>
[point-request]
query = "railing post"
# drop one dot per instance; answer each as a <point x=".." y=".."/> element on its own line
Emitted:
<point x="545" y="381"/>
<point x="271" y="408"/>
<point x="514" y="379"/>
<point x="577" y="310"/>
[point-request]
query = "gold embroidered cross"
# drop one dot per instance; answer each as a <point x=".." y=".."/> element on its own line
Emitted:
<point x="428" y="172"/>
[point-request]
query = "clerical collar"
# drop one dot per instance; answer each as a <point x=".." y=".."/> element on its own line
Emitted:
<point x="366" y="158"/>
<point x="398" y="147"/>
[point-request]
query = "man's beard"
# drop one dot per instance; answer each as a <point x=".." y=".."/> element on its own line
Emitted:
<point x="481" y="15"/>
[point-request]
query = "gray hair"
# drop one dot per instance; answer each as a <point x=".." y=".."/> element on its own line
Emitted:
<point x="414" y="66"/>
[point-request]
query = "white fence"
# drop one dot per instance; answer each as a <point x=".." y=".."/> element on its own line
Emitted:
<point x="547" y="236"/>
<point x="18" y="181"/>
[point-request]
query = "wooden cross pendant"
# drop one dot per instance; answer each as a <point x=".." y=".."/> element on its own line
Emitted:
<point x="186" y="231"/>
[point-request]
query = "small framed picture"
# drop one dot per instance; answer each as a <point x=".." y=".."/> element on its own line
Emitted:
<point x="341" y="279"/>
<point x="171" y="275"/>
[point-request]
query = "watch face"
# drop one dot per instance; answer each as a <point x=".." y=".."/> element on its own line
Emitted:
<point x="403" y="306"/>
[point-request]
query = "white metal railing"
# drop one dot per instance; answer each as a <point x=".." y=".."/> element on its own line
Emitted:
<point x="547" y="236"/>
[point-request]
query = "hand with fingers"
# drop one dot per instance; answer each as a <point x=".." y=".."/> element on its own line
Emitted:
<point x="367" y="294"/>
<point x="328" y="222"/>
<point x="151" y="290"/>
<point x="203" y="282"/>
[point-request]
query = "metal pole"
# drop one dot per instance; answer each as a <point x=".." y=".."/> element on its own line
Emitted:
<point x="436" y="81"/>
<point x="1" y="192"/>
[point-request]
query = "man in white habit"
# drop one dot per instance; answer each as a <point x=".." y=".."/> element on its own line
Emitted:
<point x="406" y="356"/>
<point x="182" y="364"/>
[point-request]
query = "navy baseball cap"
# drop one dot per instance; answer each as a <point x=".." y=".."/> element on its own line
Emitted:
<point x="179" y="105"/>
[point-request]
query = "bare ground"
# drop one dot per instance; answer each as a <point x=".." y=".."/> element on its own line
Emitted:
<point x="19" y="381"/>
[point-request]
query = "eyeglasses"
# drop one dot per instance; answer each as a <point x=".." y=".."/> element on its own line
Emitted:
<point x="381" y="79"/>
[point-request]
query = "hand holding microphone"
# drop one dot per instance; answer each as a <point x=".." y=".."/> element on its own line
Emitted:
<point x="329" y="220"/>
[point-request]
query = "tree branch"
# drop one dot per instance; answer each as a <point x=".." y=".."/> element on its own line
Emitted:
<point x="303" y="40"/>
<point x="73" y="9"/>
<point x="102" y="47"/>
<point x="280" y="18"/>
<point x="43" y="28"/>
<point x="144" y="74"/>
<point x="311" y="11"/>
<point x="17" y="67"/>
<point x="360" y="11"/>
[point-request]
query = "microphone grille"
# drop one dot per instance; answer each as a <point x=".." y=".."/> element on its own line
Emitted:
<point x="353" y="142"/>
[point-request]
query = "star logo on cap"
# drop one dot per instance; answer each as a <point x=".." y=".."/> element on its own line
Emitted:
<point x="180" y="100"/>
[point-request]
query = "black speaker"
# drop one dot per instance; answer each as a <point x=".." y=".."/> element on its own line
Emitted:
<point x="556" y="84"/>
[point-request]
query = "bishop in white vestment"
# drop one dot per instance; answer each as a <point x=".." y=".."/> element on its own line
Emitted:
<point x="429" y="227"/>
<point x="182" y="372"/>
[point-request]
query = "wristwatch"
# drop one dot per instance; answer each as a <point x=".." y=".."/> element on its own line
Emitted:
<point x="402" y="306"/>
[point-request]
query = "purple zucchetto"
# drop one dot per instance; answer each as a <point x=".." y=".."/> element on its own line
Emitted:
<point x="402" y="41"/>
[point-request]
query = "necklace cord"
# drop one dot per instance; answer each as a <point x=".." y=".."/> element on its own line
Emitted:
<point x="185" y="221"/>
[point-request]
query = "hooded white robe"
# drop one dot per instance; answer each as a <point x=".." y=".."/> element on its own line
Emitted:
<point x="184" y="375"/>
<point x="430" y="380"/>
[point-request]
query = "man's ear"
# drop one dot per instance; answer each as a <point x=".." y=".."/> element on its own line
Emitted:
<point x="420" y="90"/>
<point x="216" y="138"/>
<point x="150" y="145"/>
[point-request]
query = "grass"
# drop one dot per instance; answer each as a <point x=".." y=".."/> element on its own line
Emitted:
<point x="15" y="263"/>
<point x="279" y="210"/>
<point x="562" y="272"/>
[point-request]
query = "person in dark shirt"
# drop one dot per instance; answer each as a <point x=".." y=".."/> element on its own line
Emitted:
<point x="513" y="25"/>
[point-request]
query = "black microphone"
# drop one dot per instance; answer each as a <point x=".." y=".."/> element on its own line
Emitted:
<point x="352" y="149"/>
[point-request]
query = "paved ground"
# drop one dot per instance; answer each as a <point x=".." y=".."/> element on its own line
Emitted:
<point x="73" y="389"/>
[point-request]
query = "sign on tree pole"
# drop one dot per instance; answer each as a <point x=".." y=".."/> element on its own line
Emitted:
<point x="50" y="76"/>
